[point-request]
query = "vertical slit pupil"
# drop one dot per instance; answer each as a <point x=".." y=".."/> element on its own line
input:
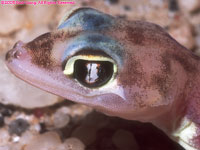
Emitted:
<point x="93" y="73"/>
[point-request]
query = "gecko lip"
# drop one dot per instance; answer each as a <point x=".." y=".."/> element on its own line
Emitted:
<point x="16" y="53"/>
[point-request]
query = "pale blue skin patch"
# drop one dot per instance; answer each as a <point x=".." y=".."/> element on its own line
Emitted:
<point x="95" y="42"/>
<point x="88" y="19"/>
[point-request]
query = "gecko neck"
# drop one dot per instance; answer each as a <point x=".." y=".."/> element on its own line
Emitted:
<point x="185" y="107"/>
<point x="192" y="112"/>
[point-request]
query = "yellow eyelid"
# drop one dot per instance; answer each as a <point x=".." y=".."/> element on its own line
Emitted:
<point x="69" y="67"/>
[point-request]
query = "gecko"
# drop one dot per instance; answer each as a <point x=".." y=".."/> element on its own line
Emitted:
<point x="130" y="69"/>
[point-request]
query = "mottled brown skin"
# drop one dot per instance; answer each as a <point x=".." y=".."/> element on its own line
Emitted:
<point x="157" y="79"/>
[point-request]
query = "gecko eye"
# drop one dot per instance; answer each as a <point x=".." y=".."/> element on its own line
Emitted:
<point x="91" y="71"/>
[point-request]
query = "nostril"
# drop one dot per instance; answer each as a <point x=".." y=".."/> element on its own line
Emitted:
<point x="17" y="54"/>
<point x="13" y="54"/>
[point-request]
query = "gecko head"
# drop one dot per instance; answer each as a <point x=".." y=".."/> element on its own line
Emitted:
<point x="116" y="66"/>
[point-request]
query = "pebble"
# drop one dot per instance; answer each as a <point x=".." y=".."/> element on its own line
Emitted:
<point x="183" y="34"/>
<point x="98" y="120"/>
<point x="86" y="134"/>
<point x="5" y="147"/>
<point x="40" y="16"/>
<point x="46" y="141"/>
<point x="27" y="35"/>
<point x="16" y="146"/>
<point x="26" y="137"/>
<point x="61" y="118"/>
<point x="4" y="137"/>
<point x="80" y="110"/>
<point x="73" y="144"/>
<point x="195" y="19"/>
<point x="37" y="127"/>
<point x="106" y="143"/>
<point x="5" y="43"/>
<point x="18" y="126"/>
<point x="124" y="140"/>
<point x="189" y="5"/>
<point x="48" y="123"/>
<point x="12" y="21"/>
<point x="16" y="92"/>
<point x="15" y="139"/>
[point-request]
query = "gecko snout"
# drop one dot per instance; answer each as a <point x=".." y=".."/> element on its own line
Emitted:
<point x="16" y="53"/>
